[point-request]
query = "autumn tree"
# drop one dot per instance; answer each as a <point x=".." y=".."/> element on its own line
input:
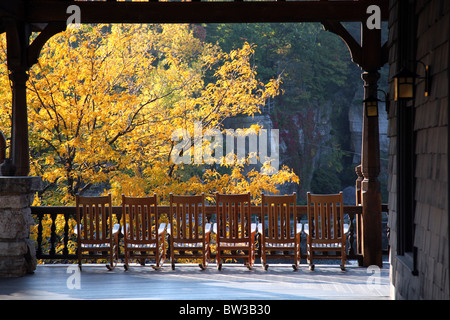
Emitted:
<point x="104" y="101"/>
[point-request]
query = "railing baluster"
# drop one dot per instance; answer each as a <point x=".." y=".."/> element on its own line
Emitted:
<point x="39" y="237"/>
<point x="53" y="216"/>
<point x="351" y="236"/>
<point x="66" y="234"/>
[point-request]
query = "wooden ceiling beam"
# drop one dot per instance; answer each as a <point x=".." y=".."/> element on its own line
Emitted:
<point x="44" y="11"/>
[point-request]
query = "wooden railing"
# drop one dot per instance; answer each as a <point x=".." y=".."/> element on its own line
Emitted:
<point x="54" y="244"/>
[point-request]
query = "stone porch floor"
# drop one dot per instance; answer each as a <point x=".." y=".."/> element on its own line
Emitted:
<point x="188" y="282"/>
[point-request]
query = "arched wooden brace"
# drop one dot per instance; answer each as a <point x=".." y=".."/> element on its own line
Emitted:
<point x="21" y="56"/>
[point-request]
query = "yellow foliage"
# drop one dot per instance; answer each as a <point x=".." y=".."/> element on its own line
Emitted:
<point x="104" y="101"/>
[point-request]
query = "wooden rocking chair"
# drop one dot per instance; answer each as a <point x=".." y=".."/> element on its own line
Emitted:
<point x="280" y="232"/>
<point x="234" y="230"/>
<point x="144" y="237"/>
<point x="326" y="231"/>
<point x="188" y="230"/>
<point x="97" y="236"/>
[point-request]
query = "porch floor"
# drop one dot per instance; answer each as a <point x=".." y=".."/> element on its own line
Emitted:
<point x="188" y="282"/>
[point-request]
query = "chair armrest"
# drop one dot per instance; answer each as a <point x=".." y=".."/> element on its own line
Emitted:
<point x="346" y="228"/>
<point x="116" y="228"/>
<point x="260" y="228"/>
<point x="306" y="228"/>
<point x="127" y="227"/>
<point x="162" y="228"/>
<point x="207" y="228"/>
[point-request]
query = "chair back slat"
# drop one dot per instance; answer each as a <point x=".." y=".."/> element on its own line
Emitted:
<point x="326" y="217"/>
<point x="233" y="217"/>
<point x="94" y="218"/>
<point x="140" y="219"/>
<point x="187" y="217"/>
<point x="280" y="213"/>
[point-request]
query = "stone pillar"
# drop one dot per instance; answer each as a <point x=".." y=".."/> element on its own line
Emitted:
<point x="17" y="251"/>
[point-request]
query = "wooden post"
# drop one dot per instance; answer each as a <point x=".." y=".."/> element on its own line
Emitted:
<point x="19" y="135"/>
<point x="370" y="56"/>
<point x="370" y="186"/>
<point x="17" y="35"/>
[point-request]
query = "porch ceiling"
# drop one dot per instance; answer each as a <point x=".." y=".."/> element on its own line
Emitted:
<point x="44" y="11"/>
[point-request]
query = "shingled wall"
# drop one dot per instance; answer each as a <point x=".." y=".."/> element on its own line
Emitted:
<point x="427" y="277"/>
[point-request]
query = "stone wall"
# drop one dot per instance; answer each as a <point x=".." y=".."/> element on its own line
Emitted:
<point x="17" y="251"/>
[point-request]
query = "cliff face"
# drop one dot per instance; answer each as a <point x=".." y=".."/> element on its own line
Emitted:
<point x="320" y="140"/>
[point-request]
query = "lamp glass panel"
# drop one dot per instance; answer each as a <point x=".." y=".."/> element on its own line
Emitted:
<point x="406" y="90"/>
<point x="372" y="109"/>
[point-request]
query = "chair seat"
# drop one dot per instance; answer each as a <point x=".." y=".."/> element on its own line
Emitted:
<point x="104" y="245"/>
<point x="228" y="243"/>
<point x="116" y="229"/>
<point x="279" y="245"/>
<point x="326" y="245"/>
<point x="234" y="244"/>
<point x="188" y="244"/>
<point x="141" y="246"/>
<point x="95" y="246"/>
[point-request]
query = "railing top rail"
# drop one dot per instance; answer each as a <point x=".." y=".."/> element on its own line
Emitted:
<point x="210" y="209"/>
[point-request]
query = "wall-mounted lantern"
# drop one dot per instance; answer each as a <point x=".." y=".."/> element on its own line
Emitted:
<point x="371" y="105"/>
<point x="405" y="83"/>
